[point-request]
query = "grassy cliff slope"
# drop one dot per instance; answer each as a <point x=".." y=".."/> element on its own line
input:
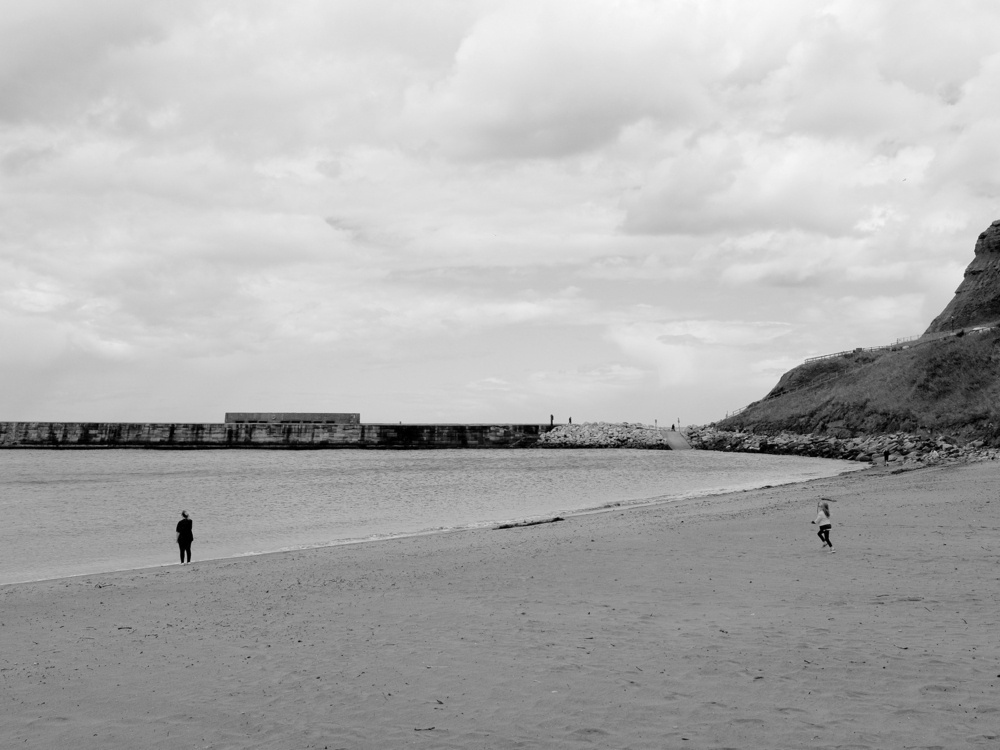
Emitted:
<point x="949" y="385"/>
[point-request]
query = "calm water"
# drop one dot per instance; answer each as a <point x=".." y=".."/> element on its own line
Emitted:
<point x="75" y="512"/>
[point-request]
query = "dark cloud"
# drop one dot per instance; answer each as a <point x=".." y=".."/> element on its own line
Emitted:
<point x="58" y="57"/>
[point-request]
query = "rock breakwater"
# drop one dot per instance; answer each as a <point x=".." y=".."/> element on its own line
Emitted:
<point x="903" y="448"/>
<point x="611" y="435"/>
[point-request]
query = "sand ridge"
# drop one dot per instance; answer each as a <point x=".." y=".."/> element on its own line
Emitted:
<point x="711" y="623"/>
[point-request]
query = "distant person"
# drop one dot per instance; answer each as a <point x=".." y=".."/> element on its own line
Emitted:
<point x="825" y="524"/>
<point x="185" y="536"/>
<point x="885" y="456"/>
<point x="672" y="428"/>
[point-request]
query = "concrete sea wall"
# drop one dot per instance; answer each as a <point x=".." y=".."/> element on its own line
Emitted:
<point x="289" y="436"/>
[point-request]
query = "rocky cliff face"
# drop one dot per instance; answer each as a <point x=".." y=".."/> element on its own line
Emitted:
<point x="948" y="381"/>
<point x="943" y="385"/>
<point x="977" y="299"/>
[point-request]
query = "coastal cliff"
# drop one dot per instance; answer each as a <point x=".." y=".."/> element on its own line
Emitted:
<point x="977" y="299"/>
<point x="945" y="383"/>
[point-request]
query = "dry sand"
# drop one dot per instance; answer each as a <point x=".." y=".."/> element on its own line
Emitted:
<point x="706" y="624"/>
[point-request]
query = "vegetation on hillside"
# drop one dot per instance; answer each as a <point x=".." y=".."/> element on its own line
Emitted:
<point x="949" y="385"/>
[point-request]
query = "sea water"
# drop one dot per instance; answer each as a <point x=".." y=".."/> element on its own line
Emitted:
<point x="82" y="512"/>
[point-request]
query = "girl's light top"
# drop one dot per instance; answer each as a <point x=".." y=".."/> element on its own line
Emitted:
<point x="823" y="518"/>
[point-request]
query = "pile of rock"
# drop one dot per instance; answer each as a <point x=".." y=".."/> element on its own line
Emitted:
<point x="604" y="435"/>
<point x="903" y="448"/>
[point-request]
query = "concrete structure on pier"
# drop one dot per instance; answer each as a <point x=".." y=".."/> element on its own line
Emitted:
<point x="290" y="417"/>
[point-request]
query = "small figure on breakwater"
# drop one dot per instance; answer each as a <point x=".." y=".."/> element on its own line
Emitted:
<point x="185" y="535"/>
<point x="825" y="524"/>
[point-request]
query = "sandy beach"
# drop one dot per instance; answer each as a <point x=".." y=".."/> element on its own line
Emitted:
<point x="711" y="623"/>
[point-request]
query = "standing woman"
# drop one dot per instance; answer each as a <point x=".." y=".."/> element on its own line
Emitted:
<point x="825" y="524"/>
<point x="185" y="536"/>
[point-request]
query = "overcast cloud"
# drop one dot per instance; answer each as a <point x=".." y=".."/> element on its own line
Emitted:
<point x="451" y="210"/>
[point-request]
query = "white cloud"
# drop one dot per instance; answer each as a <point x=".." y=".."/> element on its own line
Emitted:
<point x="580" y="384"/>
<point x="685" y="353"/>
<point x="640" y="201"/>
<point x="490" y="384"/>
<point x="544" y="80"/>
<point x="41" y="298"/>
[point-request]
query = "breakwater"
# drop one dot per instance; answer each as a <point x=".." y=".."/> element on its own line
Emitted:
<point x="82" y="435"/>
<point x="898" y="448"/>
<point x="612" y="435"/>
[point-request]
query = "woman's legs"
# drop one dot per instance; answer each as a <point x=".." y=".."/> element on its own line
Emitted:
<point x="185" y="548"/>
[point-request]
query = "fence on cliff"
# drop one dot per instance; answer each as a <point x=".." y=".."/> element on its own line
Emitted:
<point x="906" y="342"/>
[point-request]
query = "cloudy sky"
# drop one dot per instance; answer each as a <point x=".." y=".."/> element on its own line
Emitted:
<point x="477" y="210"/>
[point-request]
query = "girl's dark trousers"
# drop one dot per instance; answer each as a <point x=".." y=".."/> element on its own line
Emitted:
<point x="824" y="535"/>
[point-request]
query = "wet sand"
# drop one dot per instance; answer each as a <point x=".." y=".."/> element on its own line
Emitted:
<point x="712" y="623"/>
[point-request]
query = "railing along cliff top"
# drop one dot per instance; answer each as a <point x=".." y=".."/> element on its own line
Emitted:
<point x="905" y="342"/>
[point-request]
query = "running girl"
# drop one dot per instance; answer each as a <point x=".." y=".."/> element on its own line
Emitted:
<point x="823" y="519"/>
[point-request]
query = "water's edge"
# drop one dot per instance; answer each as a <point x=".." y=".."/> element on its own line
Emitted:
<point x="476" y="526"/>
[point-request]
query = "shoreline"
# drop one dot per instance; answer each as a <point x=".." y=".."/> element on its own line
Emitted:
<point x="660" y="500"/>
<point x="712" y="622"/>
